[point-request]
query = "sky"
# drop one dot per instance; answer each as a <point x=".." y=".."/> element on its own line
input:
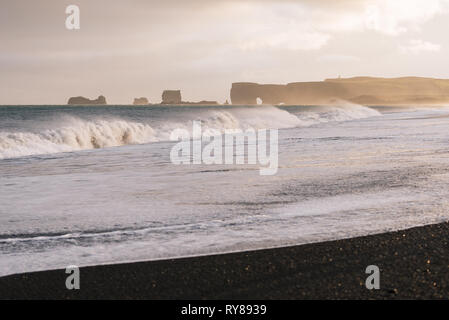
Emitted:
<point x="138" y="48"/>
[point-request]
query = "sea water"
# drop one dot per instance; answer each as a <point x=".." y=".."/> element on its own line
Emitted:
<point x="87" y="185"/>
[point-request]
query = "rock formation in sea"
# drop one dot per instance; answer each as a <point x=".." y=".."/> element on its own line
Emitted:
<point x="362" y="90"/>
<point x="140" y="101"/>
<point x="174" y="97"/>
<point x="171" y="97"/>
<point x="82" y="100"/>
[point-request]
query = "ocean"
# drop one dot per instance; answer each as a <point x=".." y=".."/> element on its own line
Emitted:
<point x="89" y="185"/>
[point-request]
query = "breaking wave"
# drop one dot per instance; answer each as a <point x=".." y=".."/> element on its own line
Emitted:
<point x="77" y="135"/>
<point x="339" y="111"/>
<point x="73" y="133"/>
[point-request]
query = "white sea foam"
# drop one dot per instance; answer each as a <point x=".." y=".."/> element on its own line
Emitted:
<point x="335" y="180"/>
<point x="72" y="134"/>
<point x="76" y="134"/>
<point x="339" y="111"/>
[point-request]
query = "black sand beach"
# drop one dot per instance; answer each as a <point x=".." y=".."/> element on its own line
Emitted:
<point x="413" y="263"/>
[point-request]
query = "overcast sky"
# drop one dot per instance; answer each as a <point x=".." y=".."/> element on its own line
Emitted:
<point x="134" y="48"/>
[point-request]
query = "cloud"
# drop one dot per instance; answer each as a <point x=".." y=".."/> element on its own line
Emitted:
<point x="399" y="16"/>
<point x="419" y="46"/>
<point x="388" y="17"/>
<point x="310" y="25"/>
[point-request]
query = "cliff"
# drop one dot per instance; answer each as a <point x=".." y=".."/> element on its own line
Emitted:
<point x="363" y="90"/>
<point x="140" y="101"/>
<point x="82" y="100"/>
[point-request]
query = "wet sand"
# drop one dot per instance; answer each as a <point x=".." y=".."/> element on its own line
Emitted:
<point x="414" y="264"/>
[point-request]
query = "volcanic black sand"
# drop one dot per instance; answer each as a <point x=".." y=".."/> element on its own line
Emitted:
<point x="413" y="264"/>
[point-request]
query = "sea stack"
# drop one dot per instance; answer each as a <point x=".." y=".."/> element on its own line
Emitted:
<point x="140" y="101"/>
<point x="85" y="101"/>
<point x="171" y="97"/>
<point x="174" y="97"/>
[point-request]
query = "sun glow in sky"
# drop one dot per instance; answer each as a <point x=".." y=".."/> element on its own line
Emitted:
<point x="127" y="49"/>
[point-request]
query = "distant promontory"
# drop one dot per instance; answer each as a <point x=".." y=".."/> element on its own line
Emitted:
<point x="82" y="100"/>
<point x="362" y="90"/>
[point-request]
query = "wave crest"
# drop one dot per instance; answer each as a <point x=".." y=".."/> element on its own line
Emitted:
<point x="339" y="111"/>
<point x="73" y="134"/>
<point x="77" y="135"/>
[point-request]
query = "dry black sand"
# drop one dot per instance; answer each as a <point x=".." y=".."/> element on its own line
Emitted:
<point x="414" y="264"/>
